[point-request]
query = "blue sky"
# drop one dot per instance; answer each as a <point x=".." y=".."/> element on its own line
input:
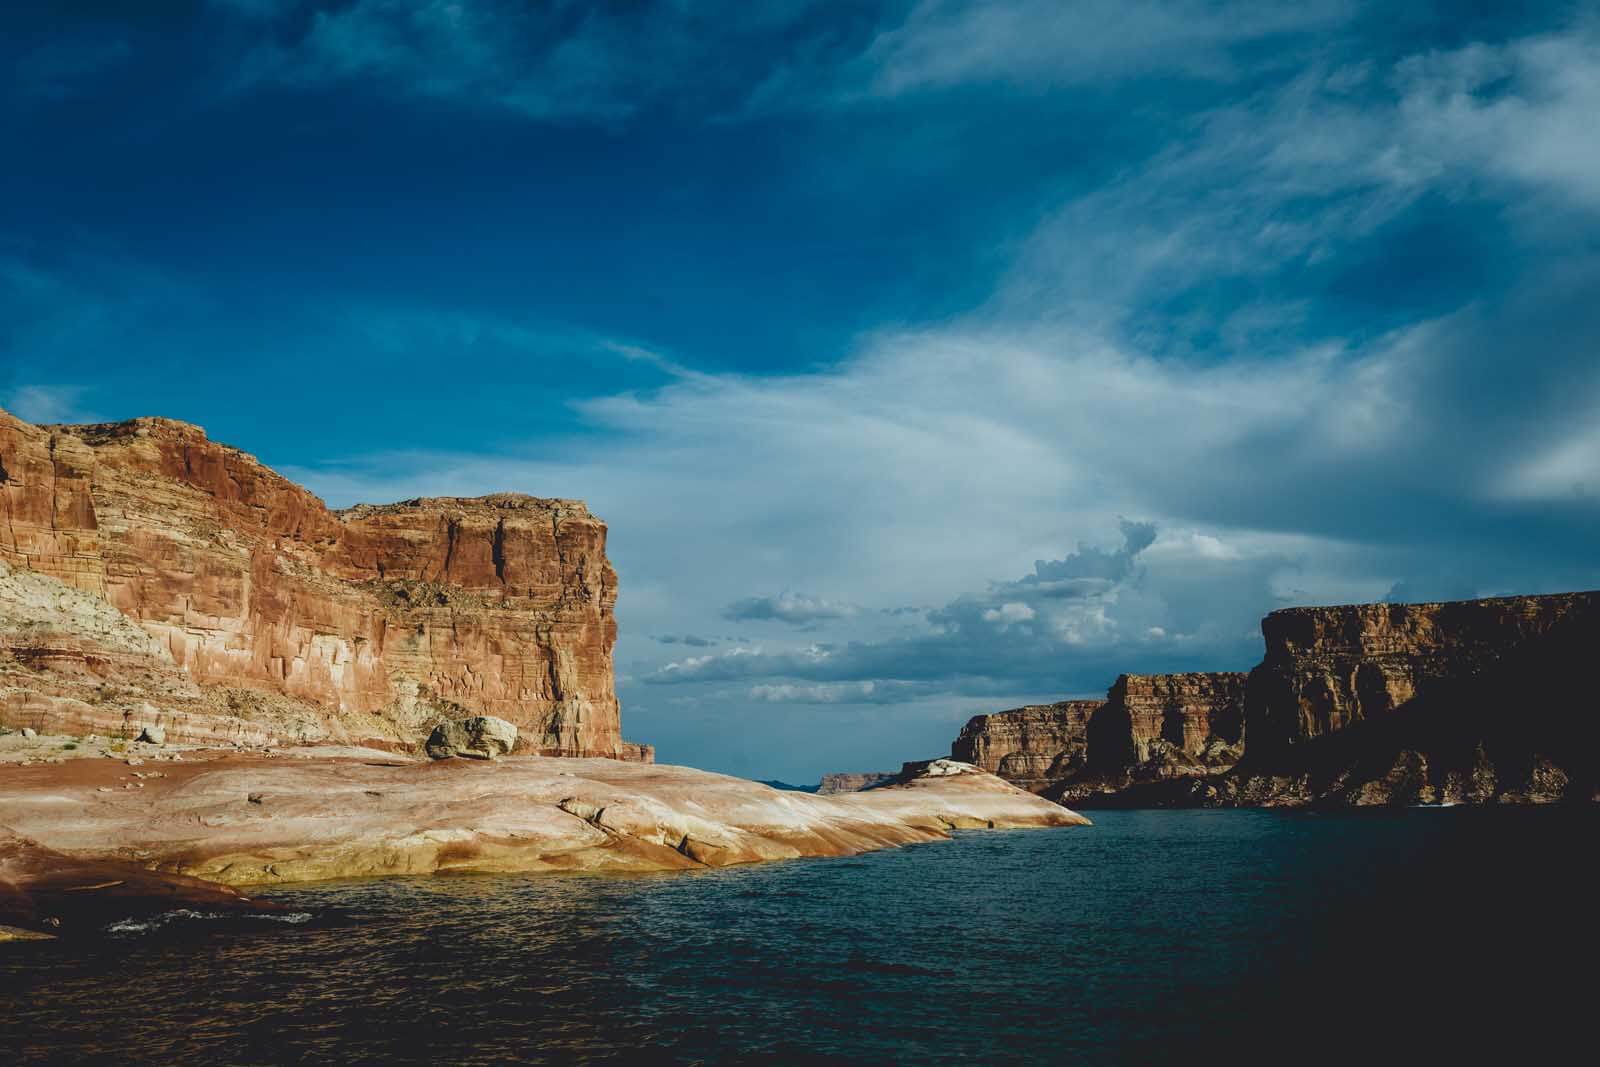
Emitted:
<point x="925" y="358"/>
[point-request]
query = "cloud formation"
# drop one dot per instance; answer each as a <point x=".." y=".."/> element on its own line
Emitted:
<point x="797" y="609"/>
<point x="1255" y="306"/>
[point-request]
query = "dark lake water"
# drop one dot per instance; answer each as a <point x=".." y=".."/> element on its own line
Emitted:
<point x="1154" y="937"/>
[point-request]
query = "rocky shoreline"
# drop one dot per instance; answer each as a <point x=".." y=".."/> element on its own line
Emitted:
<point x="215" y="820"/>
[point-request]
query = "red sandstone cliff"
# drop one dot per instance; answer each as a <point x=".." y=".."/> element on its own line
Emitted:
<point x="1148" y="714"/>
<point x="260" y="612"/>
<point x="1032" y="746"/>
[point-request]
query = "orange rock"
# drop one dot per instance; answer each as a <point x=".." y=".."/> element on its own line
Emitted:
<point x="364" y="625"/>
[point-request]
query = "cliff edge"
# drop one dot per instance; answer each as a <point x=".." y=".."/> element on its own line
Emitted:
<point x="149" y="575"/>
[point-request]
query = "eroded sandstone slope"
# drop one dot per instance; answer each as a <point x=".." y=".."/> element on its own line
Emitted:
<point x="265" y="614"/>
<point x="249" y="820"/>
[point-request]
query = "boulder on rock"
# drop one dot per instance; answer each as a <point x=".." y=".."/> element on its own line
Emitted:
<point x="480" y="737"/>
<point x="153" y="734"/>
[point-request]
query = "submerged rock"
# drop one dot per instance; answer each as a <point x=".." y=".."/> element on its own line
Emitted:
<point x="480" y="737"/>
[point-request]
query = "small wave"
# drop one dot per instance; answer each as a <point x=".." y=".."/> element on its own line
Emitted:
<point x="166" y="918"/>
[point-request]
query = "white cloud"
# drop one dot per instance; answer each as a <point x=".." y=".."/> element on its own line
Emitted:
<point x="47" y="403"/>
<point x="794" y="608"/>
<point x="1040" y="44"/>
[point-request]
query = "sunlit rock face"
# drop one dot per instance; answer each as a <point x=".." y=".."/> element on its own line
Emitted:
<point x="1146" y="715"/>
<point x="1031" y="746"/>
<point x="270" y="614"/>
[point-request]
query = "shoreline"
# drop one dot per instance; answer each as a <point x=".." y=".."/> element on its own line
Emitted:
<point x="218" y="822"/>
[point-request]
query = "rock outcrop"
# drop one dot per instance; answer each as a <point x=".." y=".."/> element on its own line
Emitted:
<point x="1480" y="701"/>
<point x="1150" y="726"/>
<point x="1150" y="716"/>
<point x="1476" y="701"/>
<point x="155" y="573"/>
<point x="1032" y="746"/>
<point x="853" y="781"/>
<point x="480" y="737"/>
<point x="249" y="820"/>
<point x="1329" y="668"/>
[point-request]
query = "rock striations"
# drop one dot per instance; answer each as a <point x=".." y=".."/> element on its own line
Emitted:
<point x="853" y="781"/>
<point x="1032" y="746"/>
<point x="1150" y="726"/>
<point x="154" y="577"/>
<point x="1469" y="702"/>
<point x="246" y="819"/>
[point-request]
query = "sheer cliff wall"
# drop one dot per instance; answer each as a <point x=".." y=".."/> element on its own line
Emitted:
<point x="269" y="613"/>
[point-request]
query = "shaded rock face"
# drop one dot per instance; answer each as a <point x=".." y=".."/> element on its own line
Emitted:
<point x="853" y="782"/>
<point x="1474" y="701"/>
<point x="266" y="614"/>
<point x="1329" y="668"/>
<point x="1032" y="746"/>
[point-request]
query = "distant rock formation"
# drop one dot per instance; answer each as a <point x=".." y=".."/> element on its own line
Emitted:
<point x="1480" y="701"/>
<point x="1475" y="701"/>
<point x="154" y="577"/>
<point x="1149" y="715"/>
<point x="847" y="782"/>
<point x="1032" y="746"/>
<point x="1149" y="726"/>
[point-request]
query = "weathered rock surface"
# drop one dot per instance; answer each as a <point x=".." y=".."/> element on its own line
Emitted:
<point x="1329" y="668"/>
<point x="151" y="570"/>
<point x="43" y="891"/>
<point x="245" y="820"/>
<point x="1031" y="746"/>
<point x="1150" y="726"/>
<point x="480" y="737"/>
<point x="1476" y="701"/>
<point x="1189" y="712"/>
<point x="853" y="781"/>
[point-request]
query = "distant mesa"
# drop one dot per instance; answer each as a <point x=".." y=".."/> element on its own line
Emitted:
<point x="1469" y="702"/>
<point x="854" y="782"/>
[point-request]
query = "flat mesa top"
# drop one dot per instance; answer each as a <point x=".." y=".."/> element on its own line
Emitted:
<point x="490" y="502"/>
<point x="99" y="434"/>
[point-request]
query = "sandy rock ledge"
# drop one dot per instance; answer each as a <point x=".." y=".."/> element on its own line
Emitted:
<point x="246" y="820"/>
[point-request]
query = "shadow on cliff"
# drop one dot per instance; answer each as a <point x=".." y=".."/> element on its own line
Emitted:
<point x="1524" y="729"/>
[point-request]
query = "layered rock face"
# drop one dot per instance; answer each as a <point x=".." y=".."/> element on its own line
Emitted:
<point x="1149" y="715"/>
<point x="1031" y="746"/>
<point x="1329" y="668"/>
<point x="853" y="782"/>
<point x="268" y="614"/>
<point x="1473" y="701"/>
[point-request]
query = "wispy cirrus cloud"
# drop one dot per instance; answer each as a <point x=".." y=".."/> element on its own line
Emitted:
<point x="47" y="403"/>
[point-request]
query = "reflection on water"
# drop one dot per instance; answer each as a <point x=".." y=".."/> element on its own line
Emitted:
<point x="1154" y="936"/>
